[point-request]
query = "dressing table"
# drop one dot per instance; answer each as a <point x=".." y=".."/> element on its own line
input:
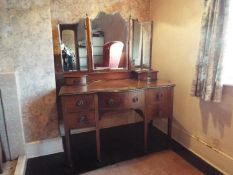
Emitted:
<point x="86" y="95"/>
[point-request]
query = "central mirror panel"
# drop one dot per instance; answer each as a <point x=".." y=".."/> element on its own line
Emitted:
<point x="109" y="33"/>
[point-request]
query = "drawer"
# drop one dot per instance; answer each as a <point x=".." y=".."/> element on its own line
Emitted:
<point x="81" y="119"/>
<point x="158" y="110"/>
<point x="136" y="99"/>
<point x="78" y="103"/>
<point x="158" y="95"/>
<point x="112" y="100"/>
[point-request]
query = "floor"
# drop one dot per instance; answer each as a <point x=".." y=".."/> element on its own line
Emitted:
<point x="161" y="163"/>
<point x="121" y="147"/>
<point x="9" y="167"/>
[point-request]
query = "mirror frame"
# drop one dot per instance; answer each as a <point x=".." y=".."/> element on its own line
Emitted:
<point x="88" y="32"/>
<point x="141" y="66"/>
<point x="90" y="47"/>
<point x="73" y="27"/>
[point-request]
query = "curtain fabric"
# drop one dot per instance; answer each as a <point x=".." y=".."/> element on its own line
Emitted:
<point x="208" y="84"/>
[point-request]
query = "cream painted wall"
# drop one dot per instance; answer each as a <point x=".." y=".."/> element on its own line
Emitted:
<point x="198" y="125"/>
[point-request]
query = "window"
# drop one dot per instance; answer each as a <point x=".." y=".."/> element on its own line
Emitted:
<point x="227" y="75"/>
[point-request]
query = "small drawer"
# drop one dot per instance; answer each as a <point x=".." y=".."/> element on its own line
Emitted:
<point x="78" y="103"/>
<point x="136" y="99"/>
<point x="82" y="80"/>
<point x="158" y="110"/>
<point x="112" y="100"/>
<point x="82" y="119"/>
<point x="158" y="95"/>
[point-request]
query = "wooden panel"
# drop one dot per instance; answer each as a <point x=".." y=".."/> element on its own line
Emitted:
<point x="77" y="103"/>
<point x="81" y="119"/>
<point x="78" y="81"/>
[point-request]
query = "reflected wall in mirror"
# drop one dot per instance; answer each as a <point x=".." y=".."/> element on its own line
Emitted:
<point x="141" y="44"/>
<point x="109" y="41"/>
<point x="73" y="46"/>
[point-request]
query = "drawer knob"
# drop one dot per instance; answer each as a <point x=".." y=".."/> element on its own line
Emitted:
<point x="83" y="119"/>
<point x="79" y="103"/>
<point x="158" y="96"/>
<point x="110" y="101"/>
<point x="135" y="99"/>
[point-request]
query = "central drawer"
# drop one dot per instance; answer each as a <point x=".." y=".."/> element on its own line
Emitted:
<point x="121" y="100"/>
<point x="112" y="100"/>
<point x="136" y="99"/>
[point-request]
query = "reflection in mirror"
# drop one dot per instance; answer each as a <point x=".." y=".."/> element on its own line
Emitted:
<point x="141" y="44"/>
<point x="146" y="44"/>
<point x="68" y="50"/>
<point x="73" y="46"/>
<point x="109" y="41"/>
<point x="82" y="48"/>
<point x="136" y="43"/>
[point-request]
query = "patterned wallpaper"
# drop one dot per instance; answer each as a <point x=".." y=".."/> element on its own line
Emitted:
<point x="29" y="49"/>
<point x="70" y="11"/>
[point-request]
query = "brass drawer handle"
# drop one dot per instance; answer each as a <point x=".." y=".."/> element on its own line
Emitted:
<point x="110" y="101"/>
<point x="79" y="103"/>
<point x="135" y="99"/>
<point x="83" y="119"/>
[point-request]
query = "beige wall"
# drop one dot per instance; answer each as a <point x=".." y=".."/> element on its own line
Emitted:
<point x="198" y="125"/>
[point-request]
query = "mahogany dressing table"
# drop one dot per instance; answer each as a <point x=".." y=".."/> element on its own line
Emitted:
<point x="127" y="87"/>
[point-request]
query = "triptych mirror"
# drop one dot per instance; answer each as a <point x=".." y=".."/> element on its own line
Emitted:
<point x="107" y="42"/>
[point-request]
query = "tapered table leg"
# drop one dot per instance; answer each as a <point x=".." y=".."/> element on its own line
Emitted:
<point x="98" y="144"/>
<point x="145" y="131"/>
<point x="68" y="148"/>
<point x="97" y="128"/>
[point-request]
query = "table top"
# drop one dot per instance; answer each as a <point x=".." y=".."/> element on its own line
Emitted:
<point x="113" y="86"/>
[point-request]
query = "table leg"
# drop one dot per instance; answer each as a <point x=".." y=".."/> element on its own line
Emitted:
<point x="169" y="127"/>
<point x="145" y="134"/>
<point x="68" y="148"/>
<point x="98" y="144"/>
<point x="97" y="128"/>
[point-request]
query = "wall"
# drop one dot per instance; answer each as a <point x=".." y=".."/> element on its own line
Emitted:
<point x="203" y="127"/>
<point x="70" y="11"/>
<point x="12" y="132"/>
<point x="26" y="48"/>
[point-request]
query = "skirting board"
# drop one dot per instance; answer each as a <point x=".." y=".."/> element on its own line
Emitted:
<point x="43" y="147"/>
<point x="21" y="165"/>
<point x="213" y="157"/>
